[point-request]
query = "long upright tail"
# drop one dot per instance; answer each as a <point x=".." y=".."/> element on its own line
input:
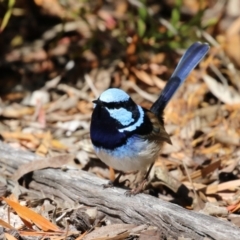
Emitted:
<point x="187" y="63"/>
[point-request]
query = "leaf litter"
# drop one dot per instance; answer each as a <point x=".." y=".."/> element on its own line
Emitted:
<point x="48" y="112"/>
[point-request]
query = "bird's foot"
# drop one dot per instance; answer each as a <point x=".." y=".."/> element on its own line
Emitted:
<point x="116" y="182"/>
<point x="111" y="184"/>
<point x="140" y="188"/>
<point x="108" y="185"/>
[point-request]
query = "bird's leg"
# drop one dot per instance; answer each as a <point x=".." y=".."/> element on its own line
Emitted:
<point x="148" y="172"/>
<point x="141" y="186"/>
<point x="116" y="182"/>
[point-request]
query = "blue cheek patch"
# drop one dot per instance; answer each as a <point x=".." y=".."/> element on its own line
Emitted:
<point x="121" y="115"/>
<point x="137" y="124"/>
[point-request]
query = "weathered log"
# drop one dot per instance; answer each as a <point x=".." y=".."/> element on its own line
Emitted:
<point x="86" y="188"/>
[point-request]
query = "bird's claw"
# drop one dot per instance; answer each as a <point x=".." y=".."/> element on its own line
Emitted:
<point x="140" y="188"/>
<point x="116" y="183"/>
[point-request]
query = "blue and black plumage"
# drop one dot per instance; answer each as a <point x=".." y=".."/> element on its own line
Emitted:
<point x="128" y="137"/>
<point x="187" y="63"/>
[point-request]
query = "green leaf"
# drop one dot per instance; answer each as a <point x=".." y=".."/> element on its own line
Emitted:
<point x="176" y="13"/>
<point x="7" y="15"/>
<point x="142" y="13"/>
<point x="141" y="27"/>
<point x="175" y="17"/>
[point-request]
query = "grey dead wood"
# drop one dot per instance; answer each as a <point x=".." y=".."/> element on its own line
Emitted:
<point x="86" y="188"/>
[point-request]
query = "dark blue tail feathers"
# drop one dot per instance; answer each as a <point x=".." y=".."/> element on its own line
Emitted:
<point x="187" y="63"/>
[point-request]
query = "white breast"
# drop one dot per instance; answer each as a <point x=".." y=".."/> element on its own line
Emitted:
<point x="137" y="154"/>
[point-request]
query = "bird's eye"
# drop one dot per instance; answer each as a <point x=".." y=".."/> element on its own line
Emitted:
<point x="116" y="107"/>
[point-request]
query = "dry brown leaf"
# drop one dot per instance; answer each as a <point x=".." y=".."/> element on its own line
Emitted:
<point x="121" y="8"/>
<point x="110" y="22"/>
<point x="102" y="79"/>
<point x="9" y="237"/>
<point x="43" y="148"/>
<point x="196" y="186"/>
<point x="28" y="224"/>
<point x="5" y="224"/>
<point x="143" y="76"/>
<point x="226" y="186"/>
<point x="12" y="112"/>
<point x="191" y="126"/>
<point x="13" y="198"/>
<point x="13" y="97"/>
<point x="225" y="138"/>
<point x="57" y="145"/>
<point x="193" y="6"/>
<point x="232" y="45"/>
<point x="212" y="189"/>
<point x="21" y="136"/>
<point x="158" y="58"/>
<point x="51" y="7"/>
<point x="211" y="199"/>
<point x="234" y="208"/>
<point x="224" y="93"/>
<point x="44" y="234"/>
<point x="234" y="28"/>
<point x="53" y="162"/>
<point x="31" y="216"/>
<point x="131" y="49"/>
<point x="211" y="150"/>
<point x="151" y="235"/>
<point x="226" y="196"/>
<point x="214" y="210"/>
<point x="85" y="107"/>
<point x="113" y="232"/>
<point x="82" y="236"/>
<point x="205" y="171"/>
<point x="158" y="82"/>
<point x="167" y="179"/>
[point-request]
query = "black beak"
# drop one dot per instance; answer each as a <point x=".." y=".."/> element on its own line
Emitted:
<point x="98" y="102"/>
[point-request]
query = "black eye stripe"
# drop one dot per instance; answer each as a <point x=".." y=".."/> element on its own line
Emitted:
<point x="113" y="105"/>
<point x="126" y="104"/>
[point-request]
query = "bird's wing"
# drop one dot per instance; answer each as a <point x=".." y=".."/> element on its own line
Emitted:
<point x="158" y="132"/>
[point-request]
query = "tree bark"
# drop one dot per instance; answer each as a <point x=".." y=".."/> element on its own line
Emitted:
<point x="86" y="188"/>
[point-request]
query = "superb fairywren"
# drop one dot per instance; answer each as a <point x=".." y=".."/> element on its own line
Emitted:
<point x="128" y="137"/>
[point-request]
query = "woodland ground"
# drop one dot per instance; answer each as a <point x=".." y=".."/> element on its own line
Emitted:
<point x="57" y="56"/>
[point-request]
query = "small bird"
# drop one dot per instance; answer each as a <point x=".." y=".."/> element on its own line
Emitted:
<point x="128" y="137"/>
